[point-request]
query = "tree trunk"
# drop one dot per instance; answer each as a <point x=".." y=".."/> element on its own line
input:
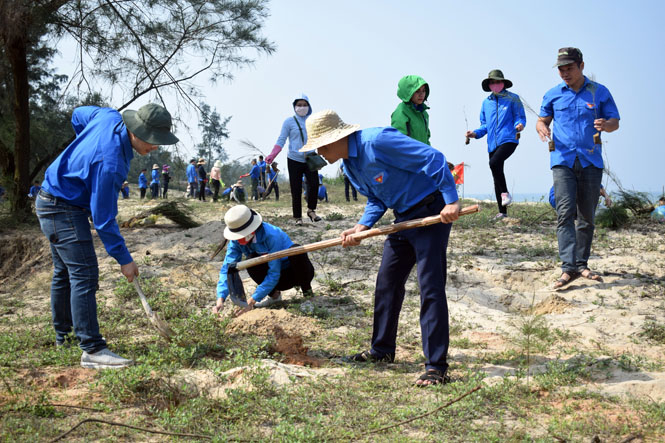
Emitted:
<point x="17" y="55"/>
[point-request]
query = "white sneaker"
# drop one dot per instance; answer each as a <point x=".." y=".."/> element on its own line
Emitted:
<point x="104" y="359"/>
<point x="269" y="300"/>
<point x="506" y="199"/>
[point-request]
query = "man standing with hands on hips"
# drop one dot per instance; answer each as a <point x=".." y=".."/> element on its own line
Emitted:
<point x="397" y="172"/>
<point x="580" y="109"/>
<point x="84" y="182"/>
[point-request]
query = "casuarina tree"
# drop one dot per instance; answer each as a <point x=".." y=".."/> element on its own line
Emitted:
<point x="130" y="48"/>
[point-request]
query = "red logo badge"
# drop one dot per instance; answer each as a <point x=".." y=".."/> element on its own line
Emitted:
<point x="590" y="105"/>
<point x="379" y="178"/>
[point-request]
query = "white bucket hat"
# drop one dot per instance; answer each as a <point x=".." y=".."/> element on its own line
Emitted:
<point x="218" y="164"/>
<point x="240" y="222"/>
<point x="324" y="128"/>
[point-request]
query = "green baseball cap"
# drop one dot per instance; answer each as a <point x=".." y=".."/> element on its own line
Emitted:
<point x="151" y="123"/>
<point x="567" y="56"/>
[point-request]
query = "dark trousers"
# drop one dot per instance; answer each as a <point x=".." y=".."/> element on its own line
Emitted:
<point x="271" y="186"/>
<point x="347" y="185"/>
<point x="497" y="159"/>
<point x="165" y="189"/>
<point x="192" y="189"/>
<point x="143" y="192"/>
<point x="154" y="190"/>
<point x="296" y="171"/>
<point x="202" y="191"/>
<point x="300" y="272"/>
<point x="215" y="189"/>
<point x="255" y="189"/>
<point x="425" y="247"/>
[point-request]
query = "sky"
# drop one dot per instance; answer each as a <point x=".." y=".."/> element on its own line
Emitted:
<point x="349" y="55"/>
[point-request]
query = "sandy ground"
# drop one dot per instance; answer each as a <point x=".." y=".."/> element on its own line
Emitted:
<point x="494" y="282"/>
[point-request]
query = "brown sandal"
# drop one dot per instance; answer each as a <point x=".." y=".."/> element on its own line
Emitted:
<point x="590" y="275"/>
<point x="434" y="377"/>
<point x="561" y="282"/>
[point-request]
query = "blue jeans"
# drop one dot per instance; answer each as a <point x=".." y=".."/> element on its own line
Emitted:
<point x="576" y="191"/>
<point x="75" y="271"/>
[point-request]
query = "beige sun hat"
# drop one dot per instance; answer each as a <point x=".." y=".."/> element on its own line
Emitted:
<point x="218" y="164"/>
<point x="155" y="166"/>
<point x="240" y="222"/>
<point x="325" y="127"/>
<point x="201" y="161"/>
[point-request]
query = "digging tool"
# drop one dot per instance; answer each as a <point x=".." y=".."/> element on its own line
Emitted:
<point x="268" y="186"/>
<point x="409" y="224"/>
<point x="159" y="324"/>
<point x="219" y="248"/>
<point x="236" y="288"/>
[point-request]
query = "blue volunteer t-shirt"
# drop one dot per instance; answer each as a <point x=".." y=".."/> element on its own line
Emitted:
<point x="574" y="113"/>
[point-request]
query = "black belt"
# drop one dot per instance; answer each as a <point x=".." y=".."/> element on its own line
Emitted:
<point x="424" y="202"/>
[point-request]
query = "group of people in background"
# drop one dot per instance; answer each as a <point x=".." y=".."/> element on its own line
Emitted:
<point x="159" y="182"/>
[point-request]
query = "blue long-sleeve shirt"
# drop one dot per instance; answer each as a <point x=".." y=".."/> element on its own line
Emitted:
<point x="191" y="173"/>
<point x="268" y="239"/>
<point x="499" y="115"/>
<point x="90" y="171"/>
<point x="155" y="176"/>
<point x="143" y="182"/>
<point x="395" y="171"/>
<point x="255" y="172"/>
<point x="297" y="136"/>
<point x="574" y="113"/>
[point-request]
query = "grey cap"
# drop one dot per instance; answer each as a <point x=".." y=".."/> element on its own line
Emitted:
<point x="151" y="123"/>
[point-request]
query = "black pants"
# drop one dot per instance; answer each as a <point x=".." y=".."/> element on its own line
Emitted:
<point x="299" y="273"/>
<point x="192" y="189"/>
<point x="215" y="189"/>
<point x="497" y="159"/>
<point x="143" y="192"/>
<point x="347" y="185"/>
<point x="296" y="171"/>
<point x="272" y="186"/>
<point x="202" y="191"/>
<point x="165" y="189"/>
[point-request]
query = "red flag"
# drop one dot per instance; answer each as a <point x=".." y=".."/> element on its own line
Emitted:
<point x="458" y="174"/>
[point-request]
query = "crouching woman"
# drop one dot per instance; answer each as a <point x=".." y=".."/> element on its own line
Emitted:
<point x="249" y="236"/>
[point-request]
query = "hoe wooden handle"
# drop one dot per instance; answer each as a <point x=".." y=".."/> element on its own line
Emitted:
<point x="383" y="230"/>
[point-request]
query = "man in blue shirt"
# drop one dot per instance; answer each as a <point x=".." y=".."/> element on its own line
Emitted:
<point x="84" y="182"/>
<point x="250" y="236"/>
<point x="580" y="109"/>
<point x="192" y="178"/>
<point x="262" y="165"/>
<point x="255" y="175"/>
<point x="397" y="172"/>
<point x="143" y="183"/>
<point x="34" y="190"/>
<point x="154" y="184"/>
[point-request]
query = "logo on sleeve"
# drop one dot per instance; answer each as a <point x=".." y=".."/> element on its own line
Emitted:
<point x="590" y="105"/>
<point x="378" y="178"/>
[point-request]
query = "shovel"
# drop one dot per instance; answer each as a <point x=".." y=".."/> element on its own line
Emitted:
<point x="237" y="292"/>
<point x="159" y="324"/>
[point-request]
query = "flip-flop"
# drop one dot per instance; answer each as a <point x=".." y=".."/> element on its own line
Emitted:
<point x="434" y="377"/>
<point x="590" y="275"/>
<point x="561" y="282"/>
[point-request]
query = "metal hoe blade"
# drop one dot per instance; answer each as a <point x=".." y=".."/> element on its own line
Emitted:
<point x="162" y="327"/>
<point x="236" y="288"/>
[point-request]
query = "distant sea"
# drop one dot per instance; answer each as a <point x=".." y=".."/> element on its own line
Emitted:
<point x="538" y="196"/>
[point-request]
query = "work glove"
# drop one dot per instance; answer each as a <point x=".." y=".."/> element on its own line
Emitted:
<point x="274" y="153"/>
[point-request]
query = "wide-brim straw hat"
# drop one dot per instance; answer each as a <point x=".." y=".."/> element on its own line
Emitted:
<point x="218" y="164"/>
<point x="495" y="74"/>
<point x="325" y="127"/>
<point x="201" y="161"/>
<point x="155" y="166"/>
<point x="151" y="123"/>
<point x="240" y="222"/>
<point x="239" y="183"/>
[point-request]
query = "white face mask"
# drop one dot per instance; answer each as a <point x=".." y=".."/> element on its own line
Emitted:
<point x="302" y="110"/>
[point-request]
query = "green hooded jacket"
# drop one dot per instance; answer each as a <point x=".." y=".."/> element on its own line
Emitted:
<point x="407" y="118"/>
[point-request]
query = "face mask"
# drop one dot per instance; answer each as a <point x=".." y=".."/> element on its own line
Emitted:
<point x="496" y="87"/>
<point x="243" y="241"/>
<point x="302" y="110"/>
